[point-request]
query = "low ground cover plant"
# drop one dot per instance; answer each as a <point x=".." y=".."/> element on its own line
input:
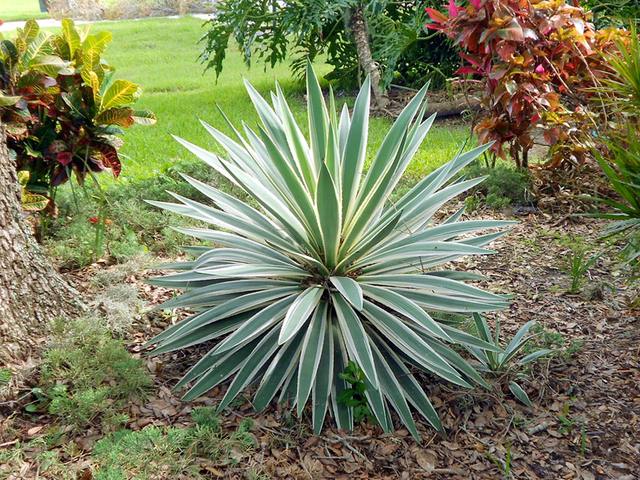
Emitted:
<point x="504" y="186"/>
<point x="511" y="359"/>
<point x="87" y="377"/>
<point x="171" y="452"/>
<point x="324" y="270"/>
<point x="186" y="452"/>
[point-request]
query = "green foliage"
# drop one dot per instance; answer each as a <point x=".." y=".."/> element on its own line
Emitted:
<point x="580" y="263"/>
<point x="151" y="453"/>
<point x="354" y="396"/>
<point x="544" y="339"/>
<point x="62" y="106"/>
<point x="171" y="452"/>
<point x="132" y="227"/>
<point x="617" y="12"/>
<point x="278" y="31"/>
<point x="509" y="359"/>
<point x="206" y="417"/>
<point x="622" y="165"/>
<point x="325" y="270"/>
<point x="87" y="376"/>
<point x="503" y="186"/>
<point x="5" y="376"/>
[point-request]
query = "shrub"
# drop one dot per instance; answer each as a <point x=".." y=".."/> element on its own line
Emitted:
<point x="325" y="271"/>
<point x="279" y="31"/>
<point x="542" y="61"/>
<point x="62" y="106"/>
<point x="503" y="186"/>
<point x="607" y="12"/>
<point x="87" y="376"/>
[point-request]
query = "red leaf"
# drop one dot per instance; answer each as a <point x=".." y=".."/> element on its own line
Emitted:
<point x="64" y="158"/>
<point x="471" y="59"/>
<point x="436" y="16"/>
<point x="109" y="157"/>
<point x="453" y="8"/>
<point x="512" y="32"/>
<point x="506" y="50"/>
<point x="467" y="71"/>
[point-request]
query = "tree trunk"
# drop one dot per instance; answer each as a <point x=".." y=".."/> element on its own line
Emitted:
<point x="32" y="293"/>
<point x="365" y="59"/>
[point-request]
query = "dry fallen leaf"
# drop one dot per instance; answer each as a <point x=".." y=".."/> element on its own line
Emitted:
<point x="426" y="459"/>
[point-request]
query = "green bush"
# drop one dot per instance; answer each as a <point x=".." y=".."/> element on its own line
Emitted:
<point x="325" y="270"/>
<point x="617" y="12"/>
<point x="504" y="186"/>
<point x="87" y="376"/>
<point x="275" y="32"/>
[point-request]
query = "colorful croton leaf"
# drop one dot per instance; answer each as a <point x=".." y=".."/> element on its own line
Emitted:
<point x="61" y="105"/>
<point x="541" y="61"/>
<point x="31" y="202"/>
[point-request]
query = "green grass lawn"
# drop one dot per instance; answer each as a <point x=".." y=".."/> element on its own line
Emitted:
<point x="11" y="10"/>
<point x="161" y="55"/>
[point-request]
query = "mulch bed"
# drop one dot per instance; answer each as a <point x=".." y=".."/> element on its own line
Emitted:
<point x="585" y="422"/>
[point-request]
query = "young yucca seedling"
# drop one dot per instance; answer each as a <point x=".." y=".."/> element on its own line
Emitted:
<point x="326" y="270"/>
<point x="507" y="360"/>
<point x="579" y="265"/>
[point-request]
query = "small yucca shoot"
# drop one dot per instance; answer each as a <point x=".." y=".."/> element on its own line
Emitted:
<point x="327" y="270"/>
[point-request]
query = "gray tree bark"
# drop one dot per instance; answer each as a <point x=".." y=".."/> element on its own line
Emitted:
<point x="365" y="59"/>
<point x="32" y="292"/>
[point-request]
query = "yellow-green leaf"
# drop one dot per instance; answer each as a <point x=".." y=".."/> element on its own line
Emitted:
<point x="50" y="65"/>
<point x="30" y="30"/>
<point x="121" y="92"/>
<point x="92" y="49"/>
<point x="71" y="36"/>
<point x="36" y="47"/>
<point x="94" y="82"/>
<point x="7" y="101"/>
<point x="33" y="202"/>
<point x="23" y="177"/>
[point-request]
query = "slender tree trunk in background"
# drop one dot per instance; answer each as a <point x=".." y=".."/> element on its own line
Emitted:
<point x="368" y="65"/>
<point x="32" y="293"/>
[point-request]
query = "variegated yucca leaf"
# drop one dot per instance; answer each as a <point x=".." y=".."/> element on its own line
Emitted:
<point x="325" y="269"/>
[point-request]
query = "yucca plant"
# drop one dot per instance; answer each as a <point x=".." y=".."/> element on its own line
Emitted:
<point x="509" y="360"/>
<point x="326" y="270"/>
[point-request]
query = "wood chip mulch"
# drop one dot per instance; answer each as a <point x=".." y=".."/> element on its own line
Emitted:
<point x="585" y="422"/>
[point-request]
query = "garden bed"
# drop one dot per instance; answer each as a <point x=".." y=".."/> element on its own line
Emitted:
<point x="583" y="424"/>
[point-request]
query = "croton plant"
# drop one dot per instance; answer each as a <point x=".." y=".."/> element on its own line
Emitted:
<point x="542" y="61"/>
<point x="61" y="106"/>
